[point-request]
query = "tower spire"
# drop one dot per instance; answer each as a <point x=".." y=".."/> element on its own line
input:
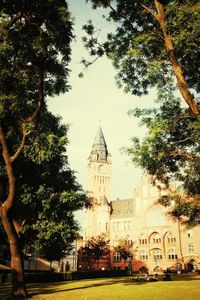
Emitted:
<point x="99" y="149"/>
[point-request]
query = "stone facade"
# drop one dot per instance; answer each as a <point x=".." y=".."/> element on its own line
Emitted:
<point x="160" y="243"/>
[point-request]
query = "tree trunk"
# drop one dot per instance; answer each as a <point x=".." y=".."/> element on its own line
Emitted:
<point x="17" y="267"/>
<point x="177" y="69"/>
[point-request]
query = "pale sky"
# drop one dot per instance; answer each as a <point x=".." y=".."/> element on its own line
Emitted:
<point x="91" y="99"/>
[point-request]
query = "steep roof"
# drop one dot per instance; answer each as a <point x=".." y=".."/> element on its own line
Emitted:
<point x="122" y="208"/>
<point x="99" y="148"/>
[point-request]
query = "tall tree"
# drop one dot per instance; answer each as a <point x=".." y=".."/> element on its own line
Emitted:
<point x="47" y="187"/>
<point x="170" y="152"/>
<point x="156" y="44"/>
<point x="153" y="41"/>
<point x="35" y="53"/>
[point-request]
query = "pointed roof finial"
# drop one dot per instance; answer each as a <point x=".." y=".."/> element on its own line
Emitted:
<point x="99" y="148"/>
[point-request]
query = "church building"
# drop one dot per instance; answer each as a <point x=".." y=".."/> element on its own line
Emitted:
<point x="160" y="243"/>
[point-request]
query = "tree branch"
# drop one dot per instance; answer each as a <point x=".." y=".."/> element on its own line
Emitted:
<point x="11" y="178"/>
<point x="183" y="88"/>
<point x="184" y="154"/>
<point x="22" y="144"/>
<point x="150" y="11"/>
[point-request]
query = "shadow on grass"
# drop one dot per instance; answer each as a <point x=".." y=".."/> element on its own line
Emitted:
<point x="64" y="286"/>
<point x="49" y="290"/>
<point x="105" y="282"/>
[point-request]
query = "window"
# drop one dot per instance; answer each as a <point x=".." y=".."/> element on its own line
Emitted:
<point x="117" y="257"/>
<point x="125" y="225"/>
<point x="190" y="247"/>
<point x="143" y="255"/>
<point x="171" y="239"/>
<point x="129" y="242"/>
<point x="129" y="225"/>
<point x="157" y="254"/>
<point x="189" y="233"/>
<point x="114" y="226"/>
<point x="156" y="238"/>
<point x="172" y="255"/>
<point x="143" y="241"/>
<point x="118" y="226"/>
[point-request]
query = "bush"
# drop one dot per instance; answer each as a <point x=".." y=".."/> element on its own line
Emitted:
<point x="48" y="276"/>
<point x="43" y="276"/>
<point x="98" y="274"/>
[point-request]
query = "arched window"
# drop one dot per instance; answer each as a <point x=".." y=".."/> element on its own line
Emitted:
<point x="143" y="255"/>
<point x="155" y="238"/>
<point x="117" y="257"/>
<point x="157" y="254"/>
<point x="171" y="239"/>
<point x="172" y="255"/>
<point x="143" y="239"/>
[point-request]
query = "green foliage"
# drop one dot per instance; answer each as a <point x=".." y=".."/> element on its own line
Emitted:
<point x="137" y="47"/>
<point x="96" y="248"/>
<point x="125" y="249"/>
<point x="170" y="152"/>
<point x="35" y="54"/>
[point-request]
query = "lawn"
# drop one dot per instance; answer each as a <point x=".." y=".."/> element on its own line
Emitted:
<point x="181" y="288"/>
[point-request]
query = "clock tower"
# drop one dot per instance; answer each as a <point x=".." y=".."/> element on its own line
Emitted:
<point x="99" y="187"/>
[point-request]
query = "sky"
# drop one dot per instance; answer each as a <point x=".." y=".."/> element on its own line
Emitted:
<point x="94" y="100"/>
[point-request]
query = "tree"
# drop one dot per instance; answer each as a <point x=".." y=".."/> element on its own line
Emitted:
<point x="35" y="53"/>
<point x="155" y="44"/>
<point x="170" y="152"/>
<point x="96" y="248"/>
<point x="53" y="199"/>
<point x="153" y="41"/>
<point x="125" y="249"/>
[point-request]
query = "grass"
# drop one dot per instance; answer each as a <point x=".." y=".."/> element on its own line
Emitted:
<point x="180" y="288"/>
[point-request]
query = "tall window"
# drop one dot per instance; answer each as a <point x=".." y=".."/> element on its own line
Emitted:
<point x="129" y="225"/>
<point x="125" y="225"/>
<point x="171" y="239"/>
<point x="117" y="257"/>
<point x="143" y="255"/>
<point x="129" y="242"/>
<point x="143" y="241"/>
<point x="156" y="238"/>
<point x="157" y="254"/>
<point x="172" y="255"/>
<point x="118" y="226"/>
